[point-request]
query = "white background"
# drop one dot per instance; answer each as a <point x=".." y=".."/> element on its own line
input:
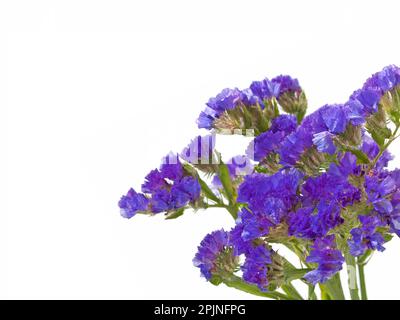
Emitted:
<point x="94" y="93"/>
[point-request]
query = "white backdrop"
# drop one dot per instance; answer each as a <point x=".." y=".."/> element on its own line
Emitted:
<point x="94" y="93"/>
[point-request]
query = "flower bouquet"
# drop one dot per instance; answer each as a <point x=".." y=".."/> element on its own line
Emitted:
<point x="317" y="185"/>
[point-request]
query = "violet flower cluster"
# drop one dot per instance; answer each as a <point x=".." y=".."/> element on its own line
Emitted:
<point x="318" y="185"/>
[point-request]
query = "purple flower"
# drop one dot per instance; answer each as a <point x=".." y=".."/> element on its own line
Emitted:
<point x="364" y="102"/>
<point x="132" y="203"/>
<point x="315" y="222"/>
<point x="206" y="119"/>
<point x="254" y="225"/>
<point x="240" y="246"/>
<point x="333" y="117"/>
<point x="189" y="186"/>
<point x="265" y="89"/>
<point x="285" y="123"/>
<point x="316" y="129"/>
<point x="329" y="187"/>
<point x="258" y="189"/>
<point x="286" y="83"/>
<point x="324" y="142"/>
<point x="394" y="218"/>
<point x="255" y="267"/>
<point x="366" y="237"/>
<point x="328" y="258"/>
<point x="226" y="100"/>
<point x="209" y="250"/>
<point x="168" y="188"/>
<point x="384" y="80"/>
<point x="154" y="181"/>
<point x="371" y="149"/>
<point x="272" y="139"/>
<point x="377" y="190"/>
<point x="346" y="166"/>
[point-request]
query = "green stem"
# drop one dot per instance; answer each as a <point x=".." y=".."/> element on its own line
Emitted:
<point x="363" y="286"/>
<point x="352" y="276"/>
<point x="385" y="146"/>
<point x="216" y="206"/>
<point x="311" y="292"/>
<point x="334" y="288"/>
<point x="238" y="283"/>
<point x="291" y="291"/>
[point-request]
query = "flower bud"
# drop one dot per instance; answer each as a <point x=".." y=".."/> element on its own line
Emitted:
<point x="294" y="102"/>
<point x="390" y="103"/>
<point x="276" y="274"/>
<point x="376" y="126"/>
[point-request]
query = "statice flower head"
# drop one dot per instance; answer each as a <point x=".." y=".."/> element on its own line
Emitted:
<point x="286" y="83"/>
<point x="384" y="80"/>
<point x="327" y="256"/>
<point x="378" y="191"/>
<point x="265" y="89"/>
<point x="255" y="267"/>
<point x="364" y="102"/>
<point x="257" y="189"/>
<point x="271" y="140"/>
<point x="291" y="96"/>
<point x="132" y="203"/>
<point x="371" y="149"/>
<point x="226" y="100"/>
<point x="269" y="200"/>
<point x="214" y="256"/>
<point x="315" y="137"/>
<point x="165" y="189"/>
<point x="366" y="237"/>
<point x="315" y="221"/>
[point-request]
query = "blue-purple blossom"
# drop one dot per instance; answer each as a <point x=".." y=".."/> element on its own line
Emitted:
<point x="258" y="189"/>
<point x="314" y="222"/>
<point x="384" y="80"/>
<point x="378" y="190"/>
<point x="209" y="250"/>
<point x="371" y="149"/>
<point x="364" y="102"/>
<point x="329" y="259"/>
<point x="265" y="89"/>
<point x="317" y="129"/>
<point x="132" y="203"/>
<point x="168" y="188"/>
<point x="324" y="142"/>
<point x="286" y="83"/>
<point x="366" y="237"/>
<point x="255" y="267"/>
<point x="271" y="140"/>
<point x="226" y="100"/>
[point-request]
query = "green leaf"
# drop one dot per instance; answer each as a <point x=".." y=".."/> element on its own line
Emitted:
<point x="334" y="287"/>
<point x="237" y="283"/>
<point x="387" y="237"/>
<point x="175" y="214"/>
<point x="294" y="274"/>
<point x="311" y="292"/>
<point x="207" y="191"/>
<point x="291" y="291"/>
<point x="223" y="174"/>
